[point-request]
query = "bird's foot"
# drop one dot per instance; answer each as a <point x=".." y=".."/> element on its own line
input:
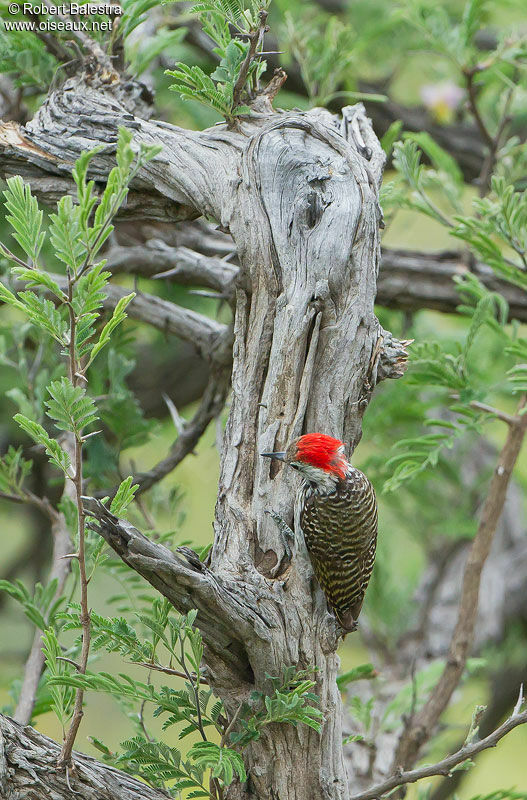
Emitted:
<point x="288" y="536"/>
<point x="346" y="623"/>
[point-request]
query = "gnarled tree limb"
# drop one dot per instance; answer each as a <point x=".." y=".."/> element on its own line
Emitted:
<point x="408" y="280"/>
<point x="208" y="336"/>
<point x="28" y="771"/>
<point x="411" y="280"/>
<point x="226" y="610"/>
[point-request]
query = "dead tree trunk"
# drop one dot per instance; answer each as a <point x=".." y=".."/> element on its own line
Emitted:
<point x="306" y="347"/>
<point x="298" y="193"/>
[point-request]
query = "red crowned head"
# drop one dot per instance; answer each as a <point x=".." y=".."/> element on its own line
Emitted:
<point x="318" y="457"/>
<point x="321" y="451"/>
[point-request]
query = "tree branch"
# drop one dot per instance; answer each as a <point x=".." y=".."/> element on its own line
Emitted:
<point x="207" y="335"/>
<point x="447" y="764"/>
<point x="174" y="186"/>
<point x="228" y="614"/>
<point x="180" y="264"/>
<point x="28" y="770"/>
<point x="411" y="280"/>
<point x="408" y="280"/>
<point x="423" y="724"/>
<point x="169" y="671"/>
<point x="212" y="404"/>
<point x="504" y="689"/>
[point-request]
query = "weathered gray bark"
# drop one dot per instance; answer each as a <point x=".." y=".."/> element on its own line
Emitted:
<point x="298" y="193"/>
<point x="28" y="771"/>
<point x="411" y="280"/>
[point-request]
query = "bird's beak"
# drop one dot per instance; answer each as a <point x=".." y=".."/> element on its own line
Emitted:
<point x="280" y="456"/>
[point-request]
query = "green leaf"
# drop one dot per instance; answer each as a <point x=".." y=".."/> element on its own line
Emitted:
<point x="87" y="199"/>
<point x="497" y="232"/>
<point x="229" y="67"/>
<point x="223" y="761"/>
<point x="90" y="289"/>
<point x="391" y="136"/>
<point x="36" y="277"/>
<point x="143" y="53"/>
<point x="354" y="737"/>
<point x="16" y="590"/>
<point x="56" y="454"/>
<point x="325" y="49"/>
<point x="69" y="407"/>
<point x="124" y="496"/>
<point x="472" y="19"/>
<point x="7" y="296"/>
<point x="62" y="696"/>
<point x="441" y="160"/>
<point x="66" y="234"/>
<point x="43" y="604"/>
<point x="423" y="452"/>
<point x="117" y="317"/>
<point x="24" y="57"/>
<point x="362" y="672"/>
<point x="14" y="469"/>
<point x="135" y="12"/>
<point x="24" y="217"/>
<point x="44" y="315"/>
<point x="25" y="406"/>
<point x="194" y="84"/>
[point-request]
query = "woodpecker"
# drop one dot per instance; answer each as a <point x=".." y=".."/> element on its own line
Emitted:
<point x="336" y="511"/>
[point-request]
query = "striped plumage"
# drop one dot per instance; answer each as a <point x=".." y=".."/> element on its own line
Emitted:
<point x="336" y="511"/>
<point x="340" y="530"/>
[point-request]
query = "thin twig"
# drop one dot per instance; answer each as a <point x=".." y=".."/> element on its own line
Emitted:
<point x="489" y="162"/>
<point x="195" y="689"/>
<point x="492" y="142"/>
<point x="496" y="412"/>
<point x="211" y="406"/>
<point x="13" y="498"/>
<point x="230" y="726"/>
<point x="473" y="103"/>
<point x="424" y="723"/>
<point x="170" y="671"/>
<point x="445" y="766"/>
<point x="510" y="419"/>
<point x="11" y="256"/>
<point x="256" y="39"/>
<point x="142" y="711"/>
<point x="75" y="373"/>
<point x="69" y="661"/>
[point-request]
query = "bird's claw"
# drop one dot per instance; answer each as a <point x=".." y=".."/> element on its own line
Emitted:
<point x="287" y="534"/>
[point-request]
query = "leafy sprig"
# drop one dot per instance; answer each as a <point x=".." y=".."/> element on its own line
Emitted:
<point x="240" y="67"/>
